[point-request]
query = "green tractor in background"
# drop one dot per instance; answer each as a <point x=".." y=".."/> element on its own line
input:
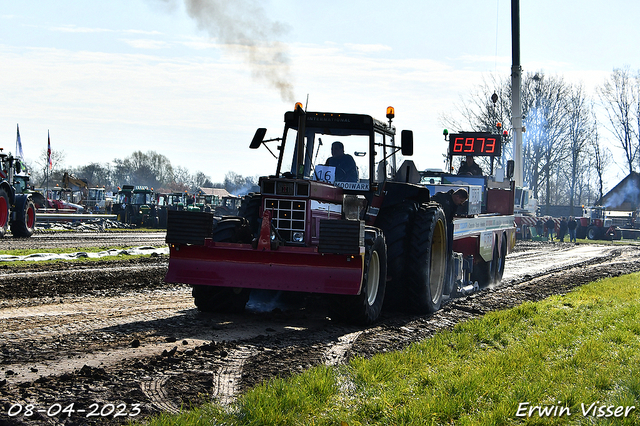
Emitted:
<point x="135" y="205"/>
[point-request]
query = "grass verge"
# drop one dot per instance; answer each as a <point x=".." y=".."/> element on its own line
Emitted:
<point x="539" y="363"/>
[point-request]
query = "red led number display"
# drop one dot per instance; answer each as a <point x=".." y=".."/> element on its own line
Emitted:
<point x="474" y="144"/>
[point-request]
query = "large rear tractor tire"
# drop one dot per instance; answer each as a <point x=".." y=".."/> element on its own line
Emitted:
<point x="426" y="267"/>
<point x="223" y="299"/>
<point x="250" y="210"/>
<point x="395" y="223"/>
<point x="25" y="219"/>
<point x="365" y="308"/>
<point x="581" y="232"/>
<point x="4" y="212"/>
<point x="593" y="232"/>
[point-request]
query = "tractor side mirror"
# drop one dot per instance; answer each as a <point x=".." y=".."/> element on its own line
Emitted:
<point x="258" y="138"/>
<point x="406" y="141"/>
<point x="510" y="169"/>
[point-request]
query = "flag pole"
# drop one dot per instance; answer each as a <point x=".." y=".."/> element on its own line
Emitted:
<point x="46" y="167"/>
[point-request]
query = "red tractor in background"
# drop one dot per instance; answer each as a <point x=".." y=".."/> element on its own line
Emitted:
<point x="363" y="236"/>
<point x="598" y="223"/>
<point x="17" y="208"/>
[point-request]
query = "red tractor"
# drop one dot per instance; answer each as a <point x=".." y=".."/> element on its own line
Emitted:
<point x="339" y="217"/>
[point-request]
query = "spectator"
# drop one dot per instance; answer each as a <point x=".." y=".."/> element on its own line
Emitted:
<point x="563" y="229"/>
<point x="571" y="226"/>
<point x="551" y="226"/>
<point x="539" y="227"/>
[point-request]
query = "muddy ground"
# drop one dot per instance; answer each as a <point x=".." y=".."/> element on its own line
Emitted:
<point x="112" y="337"/>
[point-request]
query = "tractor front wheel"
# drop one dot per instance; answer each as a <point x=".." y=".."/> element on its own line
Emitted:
<point x="365" y="308"/>
<point x="223" y="299"/>
<point x="220" y="299"/>
<point x="25" y="221"/>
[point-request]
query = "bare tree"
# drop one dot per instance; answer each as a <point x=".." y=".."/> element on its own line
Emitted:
<point x="620" y="98"/>
<point x="96" y="174"/>
<point x="42" y="172"/>
<point x="580" y="132"/>
<point x="601" y="158"/>
<point x="150" y="169"/>
<point x="546" y="130"/>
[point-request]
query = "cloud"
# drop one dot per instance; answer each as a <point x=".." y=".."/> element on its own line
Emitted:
<point x="368" y="48"/>
<point x="147" y="44"/>
<point x="75" y="29"/>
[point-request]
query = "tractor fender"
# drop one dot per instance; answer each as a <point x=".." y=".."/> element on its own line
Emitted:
<point x="399" y="192"/>
<point x="37" y="198"/>
<point x="10" y="190"/>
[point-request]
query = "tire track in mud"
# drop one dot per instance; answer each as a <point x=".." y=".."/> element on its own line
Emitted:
<point x="155" y="391"/>
<point x="335" y="354"/>
<point x="227" y="380"/>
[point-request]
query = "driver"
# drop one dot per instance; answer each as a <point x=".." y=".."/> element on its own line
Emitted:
<point x="469" y="167"/>
<point x="346" y="170"/>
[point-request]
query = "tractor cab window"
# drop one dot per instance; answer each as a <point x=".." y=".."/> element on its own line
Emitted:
<point x="331" y="157"/>
<point x="341" y="159"/>
<point x="123" y="198"/>
<point x="19" y="184"/>
<point x="96" y="194"/>
<point x="385" y="161"/>
<point x="141" y="198"/>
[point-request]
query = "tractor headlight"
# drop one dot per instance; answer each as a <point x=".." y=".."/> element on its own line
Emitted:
<point x="298" y="237"/>
<point x="352" y="205"/>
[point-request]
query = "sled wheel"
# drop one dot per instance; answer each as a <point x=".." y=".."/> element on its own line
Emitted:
<point x="223" y="299"/>
<point x="501" y="260"/>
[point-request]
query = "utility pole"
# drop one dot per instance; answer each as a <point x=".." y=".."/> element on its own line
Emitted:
<point x="516" y="107"/>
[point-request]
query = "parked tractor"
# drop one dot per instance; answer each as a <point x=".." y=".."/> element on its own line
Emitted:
<point x="169" y="201"/>
<point x="17" y="208"/>
<point x="135" y="205"/>
<point x="598" y="223"/>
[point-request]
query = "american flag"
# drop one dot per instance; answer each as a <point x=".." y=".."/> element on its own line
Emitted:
<point x="49" y="150"/>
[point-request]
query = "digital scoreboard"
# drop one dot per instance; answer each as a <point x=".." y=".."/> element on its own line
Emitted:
<point x="475" y="144"/>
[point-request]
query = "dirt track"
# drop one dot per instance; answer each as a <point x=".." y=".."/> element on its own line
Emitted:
<point x="113" y="333"/>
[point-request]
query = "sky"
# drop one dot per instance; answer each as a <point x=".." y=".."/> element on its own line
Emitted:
<point x="194" y="79"/>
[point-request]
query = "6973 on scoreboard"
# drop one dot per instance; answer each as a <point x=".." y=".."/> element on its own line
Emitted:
<point x="475" y="144"/>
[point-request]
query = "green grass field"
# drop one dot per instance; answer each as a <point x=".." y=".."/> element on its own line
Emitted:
<point x="572" y="359"/>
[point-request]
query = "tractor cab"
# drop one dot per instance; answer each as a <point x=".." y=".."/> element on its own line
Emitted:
<point x="330" y="165"/>
<point x="349" y="151"/>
